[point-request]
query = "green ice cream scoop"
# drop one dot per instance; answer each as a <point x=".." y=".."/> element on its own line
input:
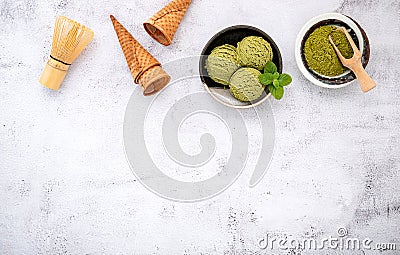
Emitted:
<point x="254" y="52"/>
<point x="245" y="85"/>
<point x="222" y="63"/>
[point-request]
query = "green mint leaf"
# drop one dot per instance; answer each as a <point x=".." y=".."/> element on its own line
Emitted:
<point x="276" y="83"/>
<point x="270" y="67"/>
<point x="275" y="75"/>
<point x="285" y="79"/>
<point x="270" y="76"/>
<point x="279" y="93"/>
<point x="264" y="79"/>
<point x="272" y="89"/>
<point x="276" y="92"/>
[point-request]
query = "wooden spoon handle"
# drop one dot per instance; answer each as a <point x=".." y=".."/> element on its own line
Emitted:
<point x="366" y="82"/>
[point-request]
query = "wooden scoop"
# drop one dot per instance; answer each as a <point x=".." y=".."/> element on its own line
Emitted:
<point x="354" y="63"/>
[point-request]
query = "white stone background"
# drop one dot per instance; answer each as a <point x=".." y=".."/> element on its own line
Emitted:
<point x="66" y="187"/>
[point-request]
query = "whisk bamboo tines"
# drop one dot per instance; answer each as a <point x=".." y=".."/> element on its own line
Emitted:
<point x="69" y="39"/>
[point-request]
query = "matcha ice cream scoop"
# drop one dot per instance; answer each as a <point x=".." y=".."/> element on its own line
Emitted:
<point x="254" y="52"/>
<point x="222" y="63"/>
<point x="245" y="85"/>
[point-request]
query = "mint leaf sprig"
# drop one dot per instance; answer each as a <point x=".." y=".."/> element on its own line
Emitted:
<point x="274" y="80"/>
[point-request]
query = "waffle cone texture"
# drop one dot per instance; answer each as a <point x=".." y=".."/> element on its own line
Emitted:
<point x="145" y="69"/>
<point x="163" y="25"/>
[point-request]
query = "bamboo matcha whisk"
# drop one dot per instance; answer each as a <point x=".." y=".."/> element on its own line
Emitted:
<point x="69" y="39"/>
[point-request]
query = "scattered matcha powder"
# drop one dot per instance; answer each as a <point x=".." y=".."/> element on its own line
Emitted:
<point x="320" y="54"/>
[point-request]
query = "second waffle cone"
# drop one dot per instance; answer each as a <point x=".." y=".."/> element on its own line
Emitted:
<point x="163" y="25"/>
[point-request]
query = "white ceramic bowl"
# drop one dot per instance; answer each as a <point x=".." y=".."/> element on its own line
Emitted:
<point x="330" y="19"/>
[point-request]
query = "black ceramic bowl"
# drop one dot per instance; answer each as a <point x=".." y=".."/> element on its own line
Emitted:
<point x="233" y="35"/>
<point x="335" y="19"/>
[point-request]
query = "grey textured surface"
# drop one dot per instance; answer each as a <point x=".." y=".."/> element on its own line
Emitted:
<point x="66" y="187"/>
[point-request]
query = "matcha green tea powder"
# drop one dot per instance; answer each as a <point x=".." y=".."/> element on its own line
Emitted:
<point x="320" y="54"/>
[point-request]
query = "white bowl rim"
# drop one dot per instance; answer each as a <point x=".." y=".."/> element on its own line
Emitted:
<point x="304" y="30"/>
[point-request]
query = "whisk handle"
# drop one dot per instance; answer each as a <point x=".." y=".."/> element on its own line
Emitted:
<point x="53" y="74"/>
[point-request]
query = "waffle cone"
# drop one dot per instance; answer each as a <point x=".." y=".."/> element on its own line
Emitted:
<point x="153" y="80"/>
<point x="163" y="25"/>
<point x="138" y="58"/>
